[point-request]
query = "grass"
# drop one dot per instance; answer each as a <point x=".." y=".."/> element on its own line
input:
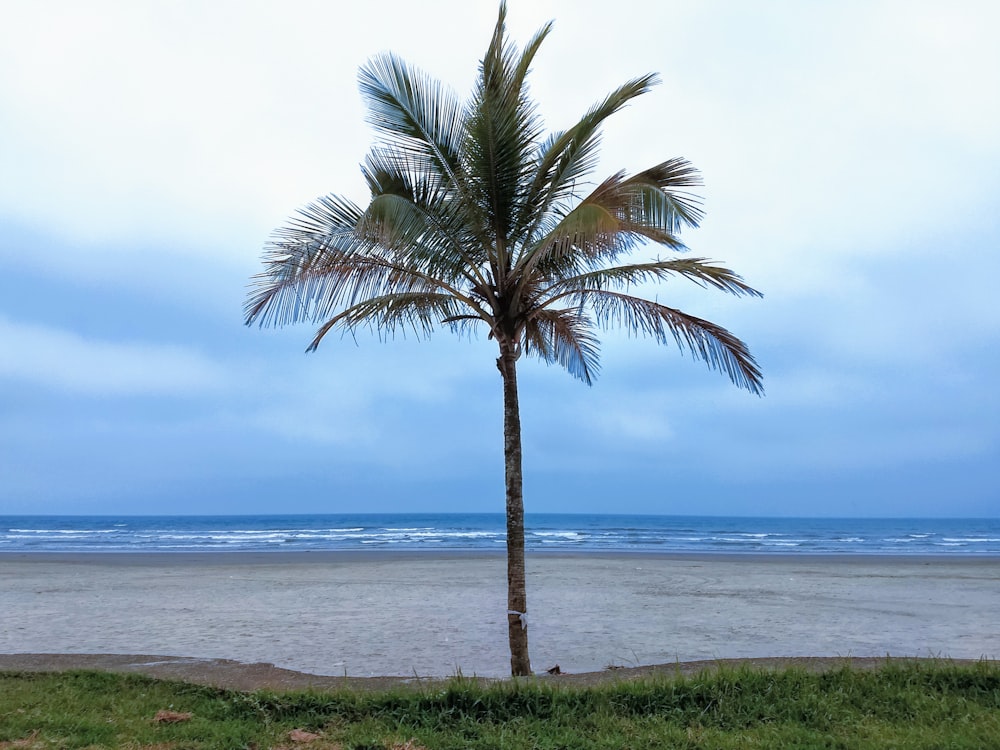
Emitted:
<point x="898" y="706"/>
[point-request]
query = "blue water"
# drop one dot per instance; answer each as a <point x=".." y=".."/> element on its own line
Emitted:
<point x="611" y="533"/>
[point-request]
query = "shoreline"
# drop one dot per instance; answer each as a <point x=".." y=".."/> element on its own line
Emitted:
<point x="413" y="612"/>
<point x="249" y="557"/>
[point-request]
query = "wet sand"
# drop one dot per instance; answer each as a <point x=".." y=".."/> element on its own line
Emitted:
<point x="431" y="614"/>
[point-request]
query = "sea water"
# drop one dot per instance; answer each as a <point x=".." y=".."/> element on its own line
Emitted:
<point x="543" y="532"/>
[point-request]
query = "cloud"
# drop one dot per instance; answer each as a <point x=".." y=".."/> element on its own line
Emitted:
<point x="852" y="172"/>
<point x="66" y="361"/>
<point x="187" y="122"/>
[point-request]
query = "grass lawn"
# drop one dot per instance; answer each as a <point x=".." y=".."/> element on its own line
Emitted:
<point x="913" y="706"/>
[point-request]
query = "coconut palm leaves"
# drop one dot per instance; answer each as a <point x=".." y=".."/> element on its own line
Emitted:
<point x="476" y="221"/>
<point x="473" y="217"/>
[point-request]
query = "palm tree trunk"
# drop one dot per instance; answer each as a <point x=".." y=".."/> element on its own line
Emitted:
<point x="517" y="604"/>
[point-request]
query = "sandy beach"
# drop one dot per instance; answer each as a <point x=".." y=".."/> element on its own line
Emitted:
<point x="434" y="614"/>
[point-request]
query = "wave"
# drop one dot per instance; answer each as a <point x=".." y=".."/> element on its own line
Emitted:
<point x="488" y="532"/>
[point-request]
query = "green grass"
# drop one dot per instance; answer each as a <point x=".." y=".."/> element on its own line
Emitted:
<point x="898" y="706"/>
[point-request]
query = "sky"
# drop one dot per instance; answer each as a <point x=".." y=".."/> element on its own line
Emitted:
<point x="851" y="159"/>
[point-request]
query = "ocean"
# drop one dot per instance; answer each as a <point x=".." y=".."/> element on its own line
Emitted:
<point x="459" y="531"/>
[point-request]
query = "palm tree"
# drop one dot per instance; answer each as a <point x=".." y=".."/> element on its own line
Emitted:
<point x="475" y="220"/>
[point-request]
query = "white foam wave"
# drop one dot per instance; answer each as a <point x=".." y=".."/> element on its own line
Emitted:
<point x="68" y="532"/>
<point x="971" y="540"/>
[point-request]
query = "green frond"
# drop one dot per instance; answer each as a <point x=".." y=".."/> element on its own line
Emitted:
<point x="579" y="241"/>
<point x="589" y="224"/>
<point x="570" y="156"/>
<point x="598" y="230"/>
<point x="395" y="222"/>
<point x="412" y="111"/>
<point x="420" y="241"/>
<point x="389" y="171"/>
<point x="619" y="215"/>
<point x="528" y="56"/>
<point x="706" y="341"/>
<point x="435" y="223"/>
<point x="502" y="131"/>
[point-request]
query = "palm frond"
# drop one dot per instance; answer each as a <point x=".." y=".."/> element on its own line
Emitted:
<point x="619" y="215"/>
<point x="475" y="216"/>
<point x="706" y="341"/>
<point x="665" y="202"/>
<point x="502" y="129"/>
<point x="412" y="111"/>
<point x="530" y="50"/>
<point x="701" y="271"/>
<point x="419" y="243"/>
<point x="390" y="171"/>
<point x="419" y="312"/>
<point x="438" y="228"/>
<point x="571" y="155"/>
<point x="333" y="254"/>
<point x="596" y="231"/>
<point x="300" y="262"/>
<point x="564" y="337"/>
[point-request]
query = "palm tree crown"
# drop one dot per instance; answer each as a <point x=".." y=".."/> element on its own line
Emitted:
<point x="474" y="218"/>
<point x="475" y="221"/>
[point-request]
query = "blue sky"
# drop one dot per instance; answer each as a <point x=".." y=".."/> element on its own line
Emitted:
<point x="851" y="160"/>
